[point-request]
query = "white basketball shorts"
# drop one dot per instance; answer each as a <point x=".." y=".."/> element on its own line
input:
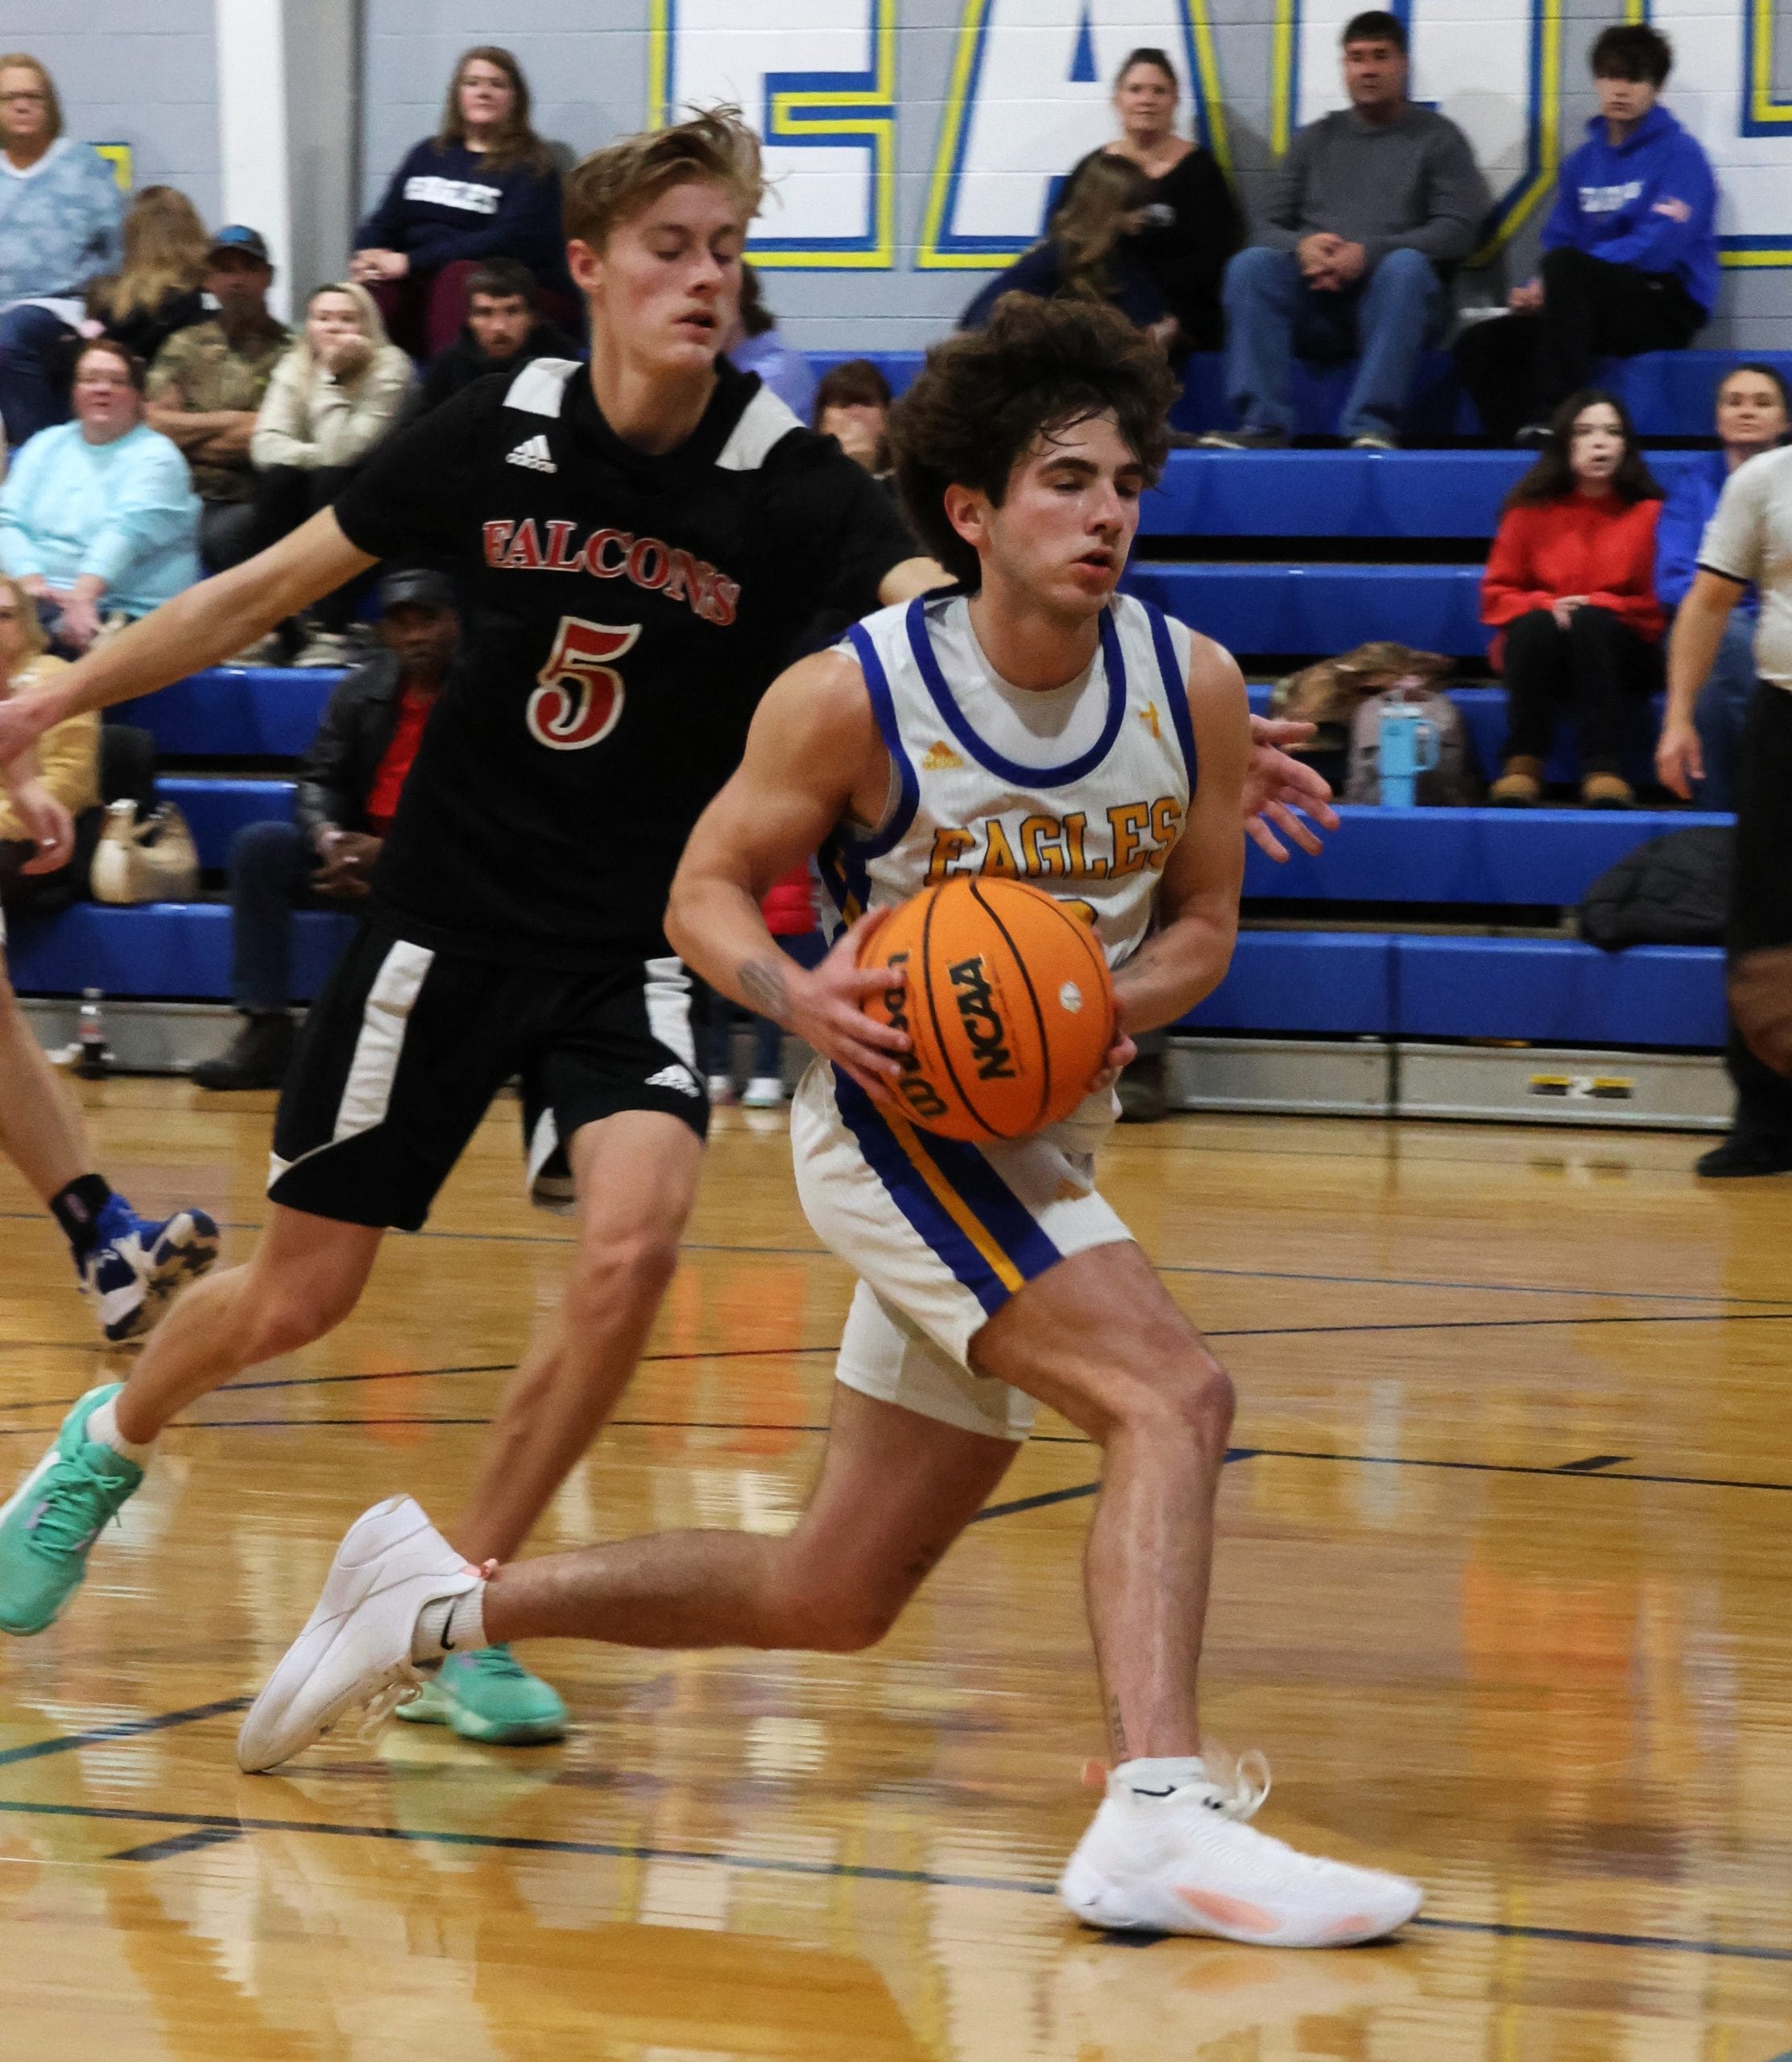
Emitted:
<point x="940" y="1234"/>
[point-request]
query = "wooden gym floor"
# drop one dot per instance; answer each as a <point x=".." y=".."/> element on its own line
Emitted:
<point x="1503" y="1593"/>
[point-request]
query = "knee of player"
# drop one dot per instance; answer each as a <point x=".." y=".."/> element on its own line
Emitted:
<point x="839" y="1623"/>
<point x="289" y="1315"/>
<point x="633" y="1259"/>
<point x="1186" y="1396"/>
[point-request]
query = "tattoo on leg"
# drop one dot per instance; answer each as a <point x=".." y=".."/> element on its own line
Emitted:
<point x="763" y="981"/>
<point x="1116" y="1725"/>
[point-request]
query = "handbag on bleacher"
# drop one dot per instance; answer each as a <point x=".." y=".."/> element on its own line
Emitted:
<point x="153" y="860"/>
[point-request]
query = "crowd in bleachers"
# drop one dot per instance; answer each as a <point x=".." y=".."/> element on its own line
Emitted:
<point x="162" y="422"/>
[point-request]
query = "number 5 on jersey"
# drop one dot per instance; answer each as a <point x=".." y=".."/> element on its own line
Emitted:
<point x="579" y="697"/>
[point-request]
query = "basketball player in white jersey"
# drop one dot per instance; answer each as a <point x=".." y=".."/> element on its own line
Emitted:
<point x="1032" y="722"/>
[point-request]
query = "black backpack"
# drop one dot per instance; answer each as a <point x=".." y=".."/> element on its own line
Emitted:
<point x="1672" y="890"/>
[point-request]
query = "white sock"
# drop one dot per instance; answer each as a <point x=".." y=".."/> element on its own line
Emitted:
<point x="1159" y="1775"/>
<point x="451" y="1624"/>
<point x="102" y="1429"/>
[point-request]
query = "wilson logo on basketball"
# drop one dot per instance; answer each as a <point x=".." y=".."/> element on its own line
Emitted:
<point x="983" y="1022"/>
<point x="914" y="1087"/>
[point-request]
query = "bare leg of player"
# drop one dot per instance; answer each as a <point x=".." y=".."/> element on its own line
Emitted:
<point x="128" y="1265"/>
<point x="306" y="1276"/>
<point x="895" y="1491"/>
<point x="635" y="1176"/>
<point x="40" y="1128"/>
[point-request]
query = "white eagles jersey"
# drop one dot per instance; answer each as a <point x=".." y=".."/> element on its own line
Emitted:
<point x="1083" y="788"/>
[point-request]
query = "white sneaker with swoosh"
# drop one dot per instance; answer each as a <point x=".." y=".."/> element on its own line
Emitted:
<point x="1188" y="1862"/>
<point x="355" y="1649"/>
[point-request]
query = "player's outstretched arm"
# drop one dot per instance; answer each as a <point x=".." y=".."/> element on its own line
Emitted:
<point x="813" y="756"/>
<point x="1186" y="956"/>
<point x="198" y="628"/>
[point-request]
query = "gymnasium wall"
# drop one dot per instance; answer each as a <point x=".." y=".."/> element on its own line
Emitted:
<point x="947" y="116"/>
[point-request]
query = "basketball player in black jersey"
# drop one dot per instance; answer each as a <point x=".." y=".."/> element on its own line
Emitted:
<point x="640" y="544"/>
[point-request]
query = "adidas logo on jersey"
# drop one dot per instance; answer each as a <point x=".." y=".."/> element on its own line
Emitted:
<point x="941" y="759"/>
<point x="677" y="1077"/>
<point x="533" y="452"/>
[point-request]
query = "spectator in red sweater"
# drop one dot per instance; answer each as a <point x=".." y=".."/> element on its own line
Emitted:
<point x="1570" y="589"/>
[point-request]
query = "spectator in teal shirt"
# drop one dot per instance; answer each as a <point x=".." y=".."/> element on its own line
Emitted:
<point x="99" y="519"/>
<point x="60" y="214"/>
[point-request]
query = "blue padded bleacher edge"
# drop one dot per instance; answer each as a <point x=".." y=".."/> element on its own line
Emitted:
<point x="1321" y="608"/>
<point x="1545" y="991"/>
<point x="1345" y="494"/>
<point x="160" y="950"/>
<point x="235" y="712"/>
<point x="1668" y="393"/>
<point x="1542" y="856"/>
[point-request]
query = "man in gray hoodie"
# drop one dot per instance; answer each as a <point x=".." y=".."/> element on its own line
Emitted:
<point x="1372" y="209"/>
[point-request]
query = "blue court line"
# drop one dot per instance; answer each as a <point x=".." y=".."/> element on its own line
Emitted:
<point x="858" y="1872"/>
<point x="189" y="1843"/>
<point x="129" y="1728"/>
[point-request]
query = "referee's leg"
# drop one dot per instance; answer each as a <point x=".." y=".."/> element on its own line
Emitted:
<point x="635" y="1174"/>
<point x="305" y="1276"/>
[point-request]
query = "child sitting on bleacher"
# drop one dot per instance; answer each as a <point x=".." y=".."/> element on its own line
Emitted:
<point x="1569" y="591"/>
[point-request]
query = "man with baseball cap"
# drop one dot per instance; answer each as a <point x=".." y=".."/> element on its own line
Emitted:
<point x="348" y="790"/>
<point x="206" y="386"/>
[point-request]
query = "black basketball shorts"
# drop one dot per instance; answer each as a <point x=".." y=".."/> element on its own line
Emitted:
<point x="402" y="1053"/>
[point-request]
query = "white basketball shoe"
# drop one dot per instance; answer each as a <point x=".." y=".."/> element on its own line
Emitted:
<point x="1186" y="1861"/>
<point x="355" y="1649"/>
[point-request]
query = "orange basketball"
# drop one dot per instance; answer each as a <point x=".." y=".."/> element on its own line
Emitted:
<point x="1008" y="1001"/>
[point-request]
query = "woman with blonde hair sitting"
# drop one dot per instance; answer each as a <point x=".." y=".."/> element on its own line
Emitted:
<point x="333" y="397"/>
<point x="155" y="291"/>
<point x="1091" y="252"/>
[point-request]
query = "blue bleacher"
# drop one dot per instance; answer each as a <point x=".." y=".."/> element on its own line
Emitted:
<point x="1344" y="494"/>
<point x="1384" y="983"/>
<point x="1295" y="608"/>
<point x="1539" y="857"/>
<point x="1668" y="393"/>
<point x="235" y="712"/>
<point x="163" y="949"/>
<point x="217" y="810"/>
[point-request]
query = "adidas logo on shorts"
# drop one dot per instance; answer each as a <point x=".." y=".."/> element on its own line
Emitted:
<point x="677" y="1077"/>
<point x="533" y="452"/>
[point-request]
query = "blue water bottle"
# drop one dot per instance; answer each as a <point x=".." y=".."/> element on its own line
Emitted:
<point x="1408" y="747"/>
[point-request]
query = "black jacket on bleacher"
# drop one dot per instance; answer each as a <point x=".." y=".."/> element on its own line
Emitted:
<point x="337" y="771"/>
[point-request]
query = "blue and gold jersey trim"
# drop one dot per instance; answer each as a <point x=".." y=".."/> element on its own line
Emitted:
<point x="952" y="1197"/>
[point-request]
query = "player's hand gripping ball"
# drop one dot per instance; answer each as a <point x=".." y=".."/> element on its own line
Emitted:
<point x="1008" y="1003"/>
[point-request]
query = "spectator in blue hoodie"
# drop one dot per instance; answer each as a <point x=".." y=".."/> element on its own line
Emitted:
<point x="483" y="186"/>
<point x="1754" y="412"/>
<point x="1629" y="249"/>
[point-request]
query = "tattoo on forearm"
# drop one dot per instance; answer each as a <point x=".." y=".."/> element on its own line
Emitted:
<point x="762" y="982"/>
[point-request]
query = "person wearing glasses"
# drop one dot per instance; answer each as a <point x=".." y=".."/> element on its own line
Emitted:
<point x="61" y="216"/>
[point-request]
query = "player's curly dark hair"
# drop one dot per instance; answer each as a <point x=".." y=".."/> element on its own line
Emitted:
<point x="985" y="396"/>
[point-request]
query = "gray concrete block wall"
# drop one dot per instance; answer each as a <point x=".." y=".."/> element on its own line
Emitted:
<point x="138" y="72"/>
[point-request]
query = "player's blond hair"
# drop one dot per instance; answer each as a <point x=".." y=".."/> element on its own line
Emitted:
<point x="613" y="185"/>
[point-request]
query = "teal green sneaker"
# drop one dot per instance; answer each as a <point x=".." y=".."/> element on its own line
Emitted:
<point x="54" y="1517"/>
<point x="486" y="1695"/>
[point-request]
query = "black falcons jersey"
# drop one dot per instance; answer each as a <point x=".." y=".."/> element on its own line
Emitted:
<point x="623" y="615"/>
